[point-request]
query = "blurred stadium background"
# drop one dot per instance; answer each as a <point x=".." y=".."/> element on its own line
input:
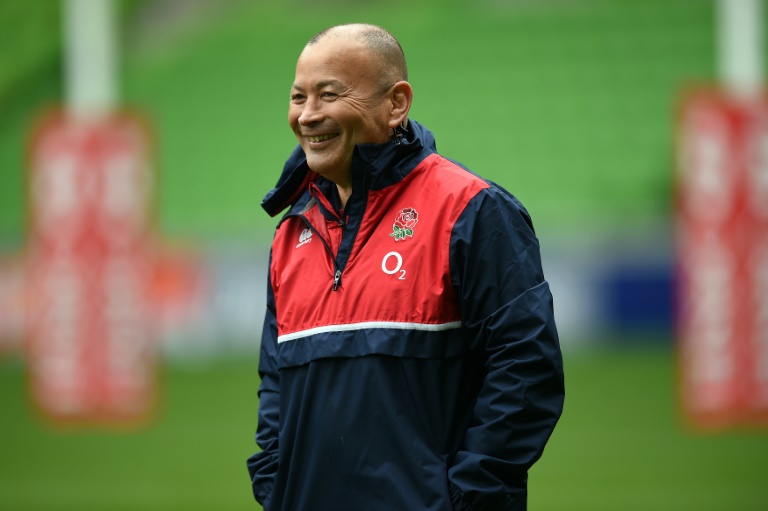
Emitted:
<point x="567" y="103"/>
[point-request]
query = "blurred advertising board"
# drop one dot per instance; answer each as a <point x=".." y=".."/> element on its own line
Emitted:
<point x="722" y="260"/>
<point x="89" y="262"/>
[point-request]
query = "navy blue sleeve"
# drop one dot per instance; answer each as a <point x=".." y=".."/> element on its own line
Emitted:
<point x="262" y="466"/>
<point x="507" y="312"/>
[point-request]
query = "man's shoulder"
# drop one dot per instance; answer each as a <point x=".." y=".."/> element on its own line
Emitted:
<point x="449" y="178"/>
<point x="449" y="175"/>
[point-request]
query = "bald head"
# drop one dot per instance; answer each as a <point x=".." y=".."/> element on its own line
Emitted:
<point x="387" y="54"/>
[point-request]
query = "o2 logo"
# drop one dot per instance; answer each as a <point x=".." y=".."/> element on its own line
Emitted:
<point x="392" y="264"/>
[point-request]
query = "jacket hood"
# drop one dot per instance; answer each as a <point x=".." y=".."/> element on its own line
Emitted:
<point x="385" y="163"/>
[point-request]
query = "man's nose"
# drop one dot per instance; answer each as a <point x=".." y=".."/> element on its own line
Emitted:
<point x="311" y="113"/>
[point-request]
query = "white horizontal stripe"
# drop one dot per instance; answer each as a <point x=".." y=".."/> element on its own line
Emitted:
<point x="429" y="327"/>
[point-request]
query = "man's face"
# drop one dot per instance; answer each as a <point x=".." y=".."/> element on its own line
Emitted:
<point x="337" y="103"/>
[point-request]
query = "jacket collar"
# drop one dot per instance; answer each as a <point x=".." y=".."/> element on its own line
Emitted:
<point x="380" y="165"/>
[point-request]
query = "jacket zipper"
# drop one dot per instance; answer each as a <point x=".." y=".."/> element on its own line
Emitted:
<point x="336" y="270"/>
<point x="342" y="224"/>
<point x="337" y="273"/>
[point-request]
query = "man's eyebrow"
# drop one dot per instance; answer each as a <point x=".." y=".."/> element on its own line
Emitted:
<point x="319" y="85"/>
<point x="329" y="83"/>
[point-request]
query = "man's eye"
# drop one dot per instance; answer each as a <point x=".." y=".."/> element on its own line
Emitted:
<point x="297" y="98"/>
<point x="329" y="95"/>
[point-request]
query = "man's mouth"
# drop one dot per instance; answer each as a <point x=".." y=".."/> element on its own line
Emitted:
<point x="321" y="138"/>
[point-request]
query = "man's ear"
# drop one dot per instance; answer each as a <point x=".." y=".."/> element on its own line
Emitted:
<point x="401" y="96"/>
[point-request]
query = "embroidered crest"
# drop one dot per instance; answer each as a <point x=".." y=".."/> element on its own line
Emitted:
<point x="405" y="220"/>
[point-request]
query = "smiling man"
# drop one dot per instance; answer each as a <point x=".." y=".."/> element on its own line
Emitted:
<point x="409" y="357"/>
<point x="350" y="89"/>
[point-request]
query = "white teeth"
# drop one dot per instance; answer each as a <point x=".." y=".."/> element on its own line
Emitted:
<point x="320" y="138"/>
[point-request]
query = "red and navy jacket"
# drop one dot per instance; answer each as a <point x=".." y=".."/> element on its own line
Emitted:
<point x="409" y="357"/>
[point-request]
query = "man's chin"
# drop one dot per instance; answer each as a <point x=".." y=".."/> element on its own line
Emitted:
<point x="329" y="169"/>
<point x="320" y="165"/>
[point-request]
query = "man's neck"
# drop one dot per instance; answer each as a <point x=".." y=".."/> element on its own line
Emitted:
<point x="344" y="193"/>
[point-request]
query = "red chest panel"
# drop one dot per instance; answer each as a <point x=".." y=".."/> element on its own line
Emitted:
<point x="398" y="270"/>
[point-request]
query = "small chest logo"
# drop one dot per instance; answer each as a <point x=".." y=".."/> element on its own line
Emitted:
<point x="405" y="221"/>
<point x="305" y="237"/>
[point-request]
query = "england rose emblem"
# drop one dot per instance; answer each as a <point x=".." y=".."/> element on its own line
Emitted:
<point x="405" y="220"/>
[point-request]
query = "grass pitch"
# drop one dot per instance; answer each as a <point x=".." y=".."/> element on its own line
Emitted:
<point x="619" y="446"/>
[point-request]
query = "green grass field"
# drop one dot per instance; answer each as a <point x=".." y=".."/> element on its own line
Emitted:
<point x="619" y="446"/>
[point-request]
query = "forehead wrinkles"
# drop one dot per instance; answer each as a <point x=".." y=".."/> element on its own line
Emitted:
<point x="339" y="64"/>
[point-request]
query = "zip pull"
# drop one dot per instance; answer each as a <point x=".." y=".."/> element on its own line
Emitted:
<point x="336" y="280"/>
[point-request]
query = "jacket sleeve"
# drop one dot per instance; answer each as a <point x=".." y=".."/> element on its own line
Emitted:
<point x="262" y="466"/>
<point x="507" y="311"/>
